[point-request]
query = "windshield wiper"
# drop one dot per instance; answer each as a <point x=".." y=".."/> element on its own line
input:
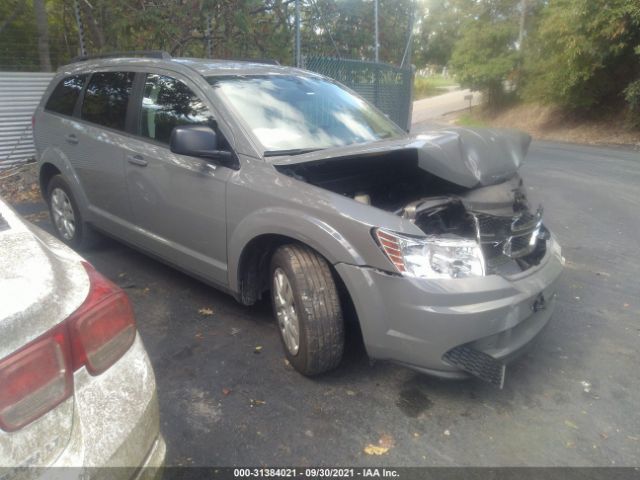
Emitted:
<point x="293" y="151"/>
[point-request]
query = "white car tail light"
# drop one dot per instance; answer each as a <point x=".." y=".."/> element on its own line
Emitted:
<point x="39" y="376"/>
<point x="103" y="328"/>
<point x="35" y="379"/>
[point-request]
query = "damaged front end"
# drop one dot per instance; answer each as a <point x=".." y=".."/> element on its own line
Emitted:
<point x="459" y="186"/>
<point x="511" y="236"/>
<point x="467" y="227"/>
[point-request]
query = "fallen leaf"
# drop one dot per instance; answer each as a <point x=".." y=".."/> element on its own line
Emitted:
<point x="375" y="450"/>
<point x="604" y="436"/>
<point x="386" y="441"/>
<point x="146" y="290"/>
<point x="205" y="312"/>
<point x="226" y="391"/>
<point x="570" y="424"/>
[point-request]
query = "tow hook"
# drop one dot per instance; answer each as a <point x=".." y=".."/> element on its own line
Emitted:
<point x="539" y="304"/>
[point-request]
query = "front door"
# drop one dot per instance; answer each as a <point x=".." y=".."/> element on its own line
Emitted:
<point x="178" y="202"/>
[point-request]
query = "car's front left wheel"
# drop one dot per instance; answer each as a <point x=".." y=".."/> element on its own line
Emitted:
<point x="307" y="308"/>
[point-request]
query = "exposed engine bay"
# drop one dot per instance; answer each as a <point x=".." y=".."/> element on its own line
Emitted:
<point x="497" y="216"/>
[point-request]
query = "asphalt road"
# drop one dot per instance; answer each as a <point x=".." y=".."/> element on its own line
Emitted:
<point x="573" y="400"/>
<point x="432" y="108"/>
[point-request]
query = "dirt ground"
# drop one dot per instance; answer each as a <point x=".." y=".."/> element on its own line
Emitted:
<point x="19" y="185"/>
<point x="548" y="123"/>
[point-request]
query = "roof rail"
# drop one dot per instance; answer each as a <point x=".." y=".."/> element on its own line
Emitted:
<point x="134" y="53"/>
<point x="264" y="61"/>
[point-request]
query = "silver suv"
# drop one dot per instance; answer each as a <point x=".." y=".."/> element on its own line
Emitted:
<point x="263" y="179"/>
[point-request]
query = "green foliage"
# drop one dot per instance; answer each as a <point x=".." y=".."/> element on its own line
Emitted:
<point x="632" y="96"/>
<point x="440" y="30"/>
<point x="470" y="120"/>
<point x="584" y="53"/>
<point x="424" y="87"/>
<point x="485" y="57"/>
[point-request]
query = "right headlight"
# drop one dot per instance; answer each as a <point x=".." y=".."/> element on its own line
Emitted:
<point x="432" y="257"/>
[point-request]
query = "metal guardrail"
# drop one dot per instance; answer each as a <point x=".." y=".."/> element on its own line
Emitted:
<point x="20" y="93"/>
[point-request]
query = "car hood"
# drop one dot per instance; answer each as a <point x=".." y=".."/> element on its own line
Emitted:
<point x="41" y="281"/>
<point x="468" y="157"/>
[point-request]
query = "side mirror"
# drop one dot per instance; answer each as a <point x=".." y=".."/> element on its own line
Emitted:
<point x="198" y="141"/>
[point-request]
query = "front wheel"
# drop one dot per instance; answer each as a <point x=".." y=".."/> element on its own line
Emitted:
<point x="307" y="308"/>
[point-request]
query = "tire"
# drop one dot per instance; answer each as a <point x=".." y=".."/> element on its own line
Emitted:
<point x="316" y="305"/>
<point x="82" y="236"/>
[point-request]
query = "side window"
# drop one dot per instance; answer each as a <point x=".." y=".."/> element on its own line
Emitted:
<point x="106" y="98"/>
<point x="166" y="103"/>
<point x="64" y="97"/>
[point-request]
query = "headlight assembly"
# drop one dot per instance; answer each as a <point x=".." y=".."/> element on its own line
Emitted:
<point x="432" y="257"/>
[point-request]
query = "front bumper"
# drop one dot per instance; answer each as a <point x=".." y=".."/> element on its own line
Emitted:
<point x="415" y="321"/>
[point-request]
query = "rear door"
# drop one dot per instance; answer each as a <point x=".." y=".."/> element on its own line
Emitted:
<point x="99" y="155"/>
<point x="177" y="201"/>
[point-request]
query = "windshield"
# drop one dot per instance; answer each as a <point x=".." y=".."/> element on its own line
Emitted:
<point x="291" y="114"/>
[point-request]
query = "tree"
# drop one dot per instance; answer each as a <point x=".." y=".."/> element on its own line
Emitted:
<point x="485" y="57"/>
<point x="42" y="26"/>
<point x="441" y="28"/>
<point x="584" y="53"/>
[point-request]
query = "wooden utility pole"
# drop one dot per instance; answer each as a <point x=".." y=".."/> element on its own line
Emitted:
<point x="42" y="25"/>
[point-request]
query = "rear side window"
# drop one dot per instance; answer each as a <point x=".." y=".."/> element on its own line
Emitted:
<point x="166" y="103"/>
<point x="106" y="98"/>
<point x="64" y="97"/>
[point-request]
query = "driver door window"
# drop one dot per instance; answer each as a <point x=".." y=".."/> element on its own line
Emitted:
<point x="167" y="103"/>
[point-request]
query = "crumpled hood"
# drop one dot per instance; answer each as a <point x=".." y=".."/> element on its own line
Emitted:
<point x="469" y="157"/>
<point x="472" y="157"/>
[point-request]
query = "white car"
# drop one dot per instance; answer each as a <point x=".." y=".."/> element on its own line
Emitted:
<point x="76" y="385"/>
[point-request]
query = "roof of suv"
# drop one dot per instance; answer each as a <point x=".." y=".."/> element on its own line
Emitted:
<point x="204" y="66"/>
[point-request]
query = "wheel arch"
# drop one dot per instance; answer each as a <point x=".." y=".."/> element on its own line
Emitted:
<point x="253" y="271"/>
<point x="260" y="233"/>
<point x="47" y="172"/>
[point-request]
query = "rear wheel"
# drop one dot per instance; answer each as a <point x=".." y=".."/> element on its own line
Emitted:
<point x="65" y="215"/>
<point x="307" y="308"/>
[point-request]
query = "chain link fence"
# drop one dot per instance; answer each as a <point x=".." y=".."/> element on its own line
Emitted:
<point x="389" y="88"/>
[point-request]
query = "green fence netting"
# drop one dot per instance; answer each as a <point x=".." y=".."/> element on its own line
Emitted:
<point x="389" y="88"/>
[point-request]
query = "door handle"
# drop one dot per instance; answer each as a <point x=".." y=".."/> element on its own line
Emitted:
<point x="72" y="139"/>
<point x="137" y="160"/>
